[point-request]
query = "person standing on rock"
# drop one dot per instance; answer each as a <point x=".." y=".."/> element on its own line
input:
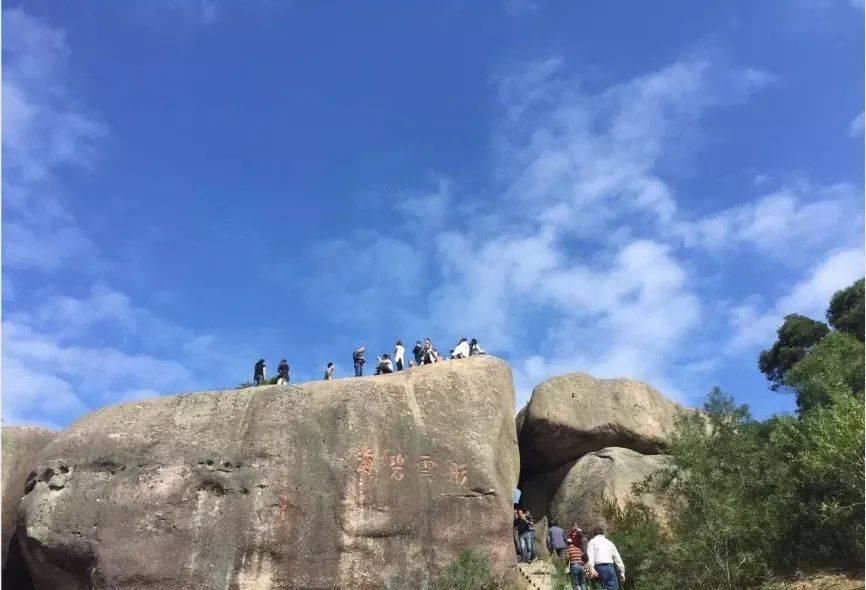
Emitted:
<point x="555" y="540"/>
<point x="604" y="558"/>
<point x="418" y="352"/>
<point x="329" y="371"/>
<point x="282" y="372"/>
<point x="259" y="372"/>
<point x="399" y="353"/>
<point x="526" y="532"/>
<point x="358" y="360"/>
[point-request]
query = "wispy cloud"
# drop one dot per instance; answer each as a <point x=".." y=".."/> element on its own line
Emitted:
<point x="567" y="263"/>
<point x="855" y="127"/>
<point x="790" y="224"/>
<point x="754" y="325"/>
<point x="64" y="354"/>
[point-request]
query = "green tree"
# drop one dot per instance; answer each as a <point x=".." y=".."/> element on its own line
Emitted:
<point x="833" y="368"/>
<point x="846" y="310"/>
<point x="824" y="512"/>
<point x="796" y="336"/>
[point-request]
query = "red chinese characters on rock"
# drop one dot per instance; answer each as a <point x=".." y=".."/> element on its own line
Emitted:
<point x="426" y="465"/>
<point x="396" y="463"/>
<point x="366" y="460"/>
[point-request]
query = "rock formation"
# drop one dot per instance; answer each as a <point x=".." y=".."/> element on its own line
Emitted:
<point x="582" y="438"/>
<point x="357" y="483"/>
<point x="20" y="448"/>
<point x="572" y="415"/>
<point x="568" y="493"/>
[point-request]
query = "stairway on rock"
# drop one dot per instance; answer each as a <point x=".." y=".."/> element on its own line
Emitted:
<point x="539" y="575"/>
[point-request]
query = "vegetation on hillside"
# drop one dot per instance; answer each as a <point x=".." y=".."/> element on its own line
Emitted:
<point x="748" y="502"/>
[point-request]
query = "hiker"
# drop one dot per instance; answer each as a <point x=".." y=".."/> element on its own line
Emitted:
<point x="259" y="372"/>
<point x="522" y="527"/>
<point x="602" y="556"/>
<point x="576" y="533"/>
<point x="526" y="532"/>
<point x="575" y="564"/>
<point x="417" y="350"/>
<point x="555" y="540"/>
<point x="383" y="365"/>
<point x="358" y="360"/>
<point x="475" y="348"/>
<point x="399" y="351"/>
<point x="461" y="351"/>
<point x="282" y="372"/>
<point x="426" y="352"/>
<point x="329" y="371"/>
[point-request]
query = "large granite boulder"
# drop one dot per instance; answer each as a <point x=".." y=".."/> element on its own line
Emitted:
<point x="575" y="414"/>
<point x="20" y="447"/>
<point x="360" y="483"/>
<point x="569" y="494"/>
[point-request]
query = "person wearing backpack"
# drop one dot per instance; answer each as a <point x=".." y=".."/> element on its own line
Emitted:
<point x="282" y="372"/>
<point x="259" y="372"/>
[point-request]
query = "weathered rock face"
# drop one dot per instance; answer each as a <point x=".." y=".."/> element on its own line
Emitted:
<point x="20" y="448"/>
<point x="567" y="494"/>
<point x="356" y="483"/>
<point x="572" y="415"/>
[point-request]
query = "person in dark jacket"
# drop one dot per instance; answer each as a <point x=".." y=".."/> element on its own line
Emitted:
<point x="417" y="351"/>
<point x="259" y="372"/>
<point x="282" y="372"/>
<point x="358" y="360"/>
<point x="526" y="532"/>
<point x="556" y="540"/>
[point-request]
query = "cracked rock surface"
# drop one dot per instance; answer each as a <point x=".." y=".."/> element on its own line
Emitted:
<point x="356" y="483"/>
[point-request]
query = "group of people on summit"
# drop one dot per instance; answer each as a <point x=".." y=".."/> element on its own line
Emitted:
<point x="424" y="353"/>
<point x="598" y="558"/>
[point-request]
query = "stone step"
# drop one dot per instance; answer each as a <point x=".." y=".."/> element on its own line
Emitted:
<point x="538" y="575"/>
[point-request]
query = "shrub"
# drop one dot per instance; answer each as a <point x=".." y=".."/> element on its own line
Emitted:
<point x="471" y="571"/>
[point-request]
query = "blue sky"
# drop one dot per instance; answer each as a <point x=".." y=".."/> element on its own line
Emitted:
<point x="639" y="190"/>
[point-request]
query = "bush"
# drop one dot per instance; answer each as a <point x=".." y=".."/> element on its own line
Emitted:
<point x="642" y="543"/>
<point x="471" y="571"/>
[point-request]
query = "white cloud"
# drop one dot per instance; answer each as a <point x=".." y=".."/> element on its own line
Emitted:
<point x="554" y="266"/>
<point x="64" y="354"/>
<point x="753" y="327"/>
<point x="855" y="127"/>
<point x="67" y="355"/>
<point x="581" y="256"/>
<point x="785" y="224"/>
<point x="44" y="132"/>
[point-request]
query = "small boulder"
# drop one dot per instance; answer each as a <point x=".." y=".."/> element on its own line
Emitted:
<point x="568" y="494"/>
<point x="20" y="447"/>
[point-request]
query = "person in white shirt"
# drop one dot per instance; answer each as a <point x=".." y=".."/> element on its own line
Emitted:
<point x="399" y="351"/>
<point x="603" y="557"/>
<point x="461" y="351"/>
